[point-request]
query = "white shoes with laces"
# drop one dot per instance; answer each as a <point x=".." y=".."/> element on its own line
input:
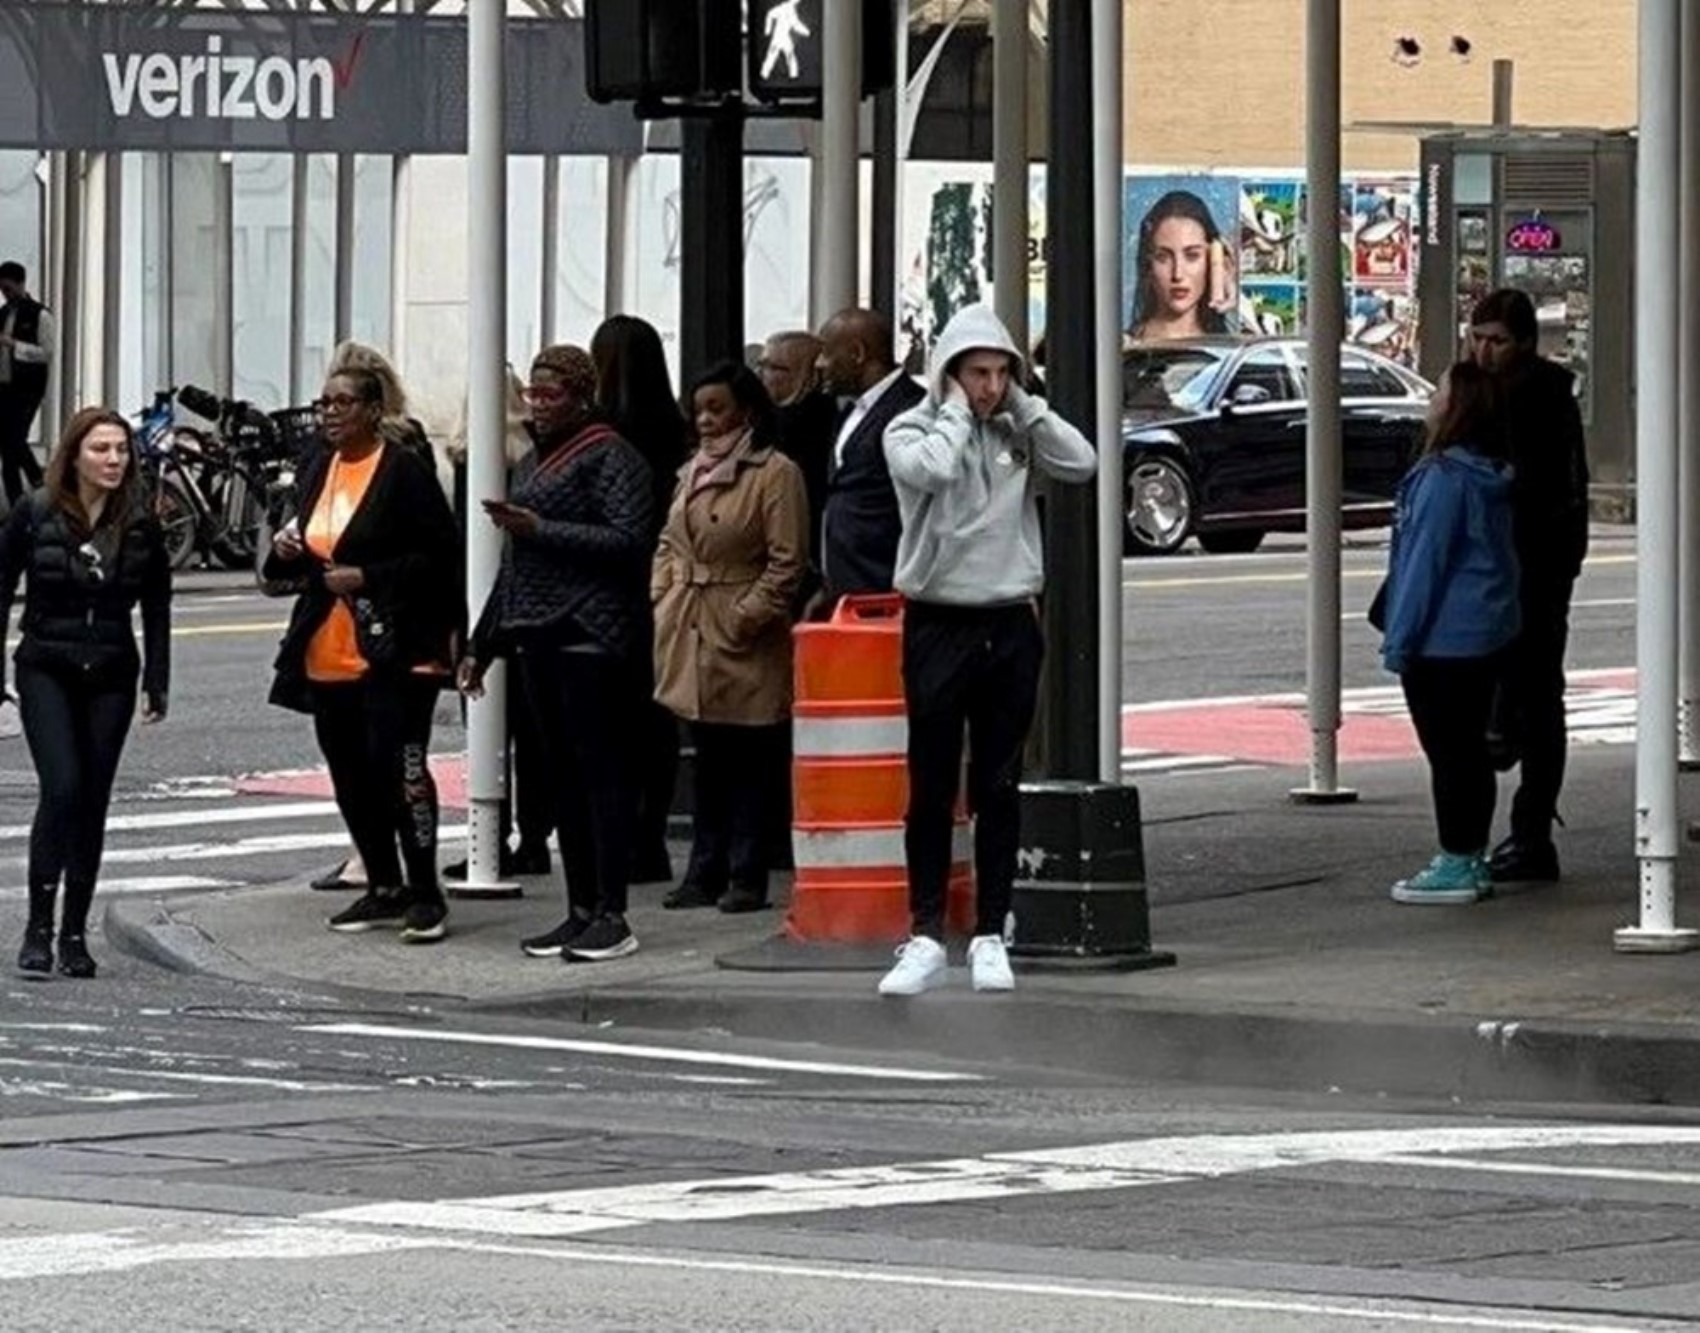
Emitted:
<point x="922" y="966"/>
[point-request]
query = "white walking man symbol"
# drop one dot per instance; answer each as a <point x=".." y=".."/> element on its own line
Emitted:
<point x="783" y="27"/>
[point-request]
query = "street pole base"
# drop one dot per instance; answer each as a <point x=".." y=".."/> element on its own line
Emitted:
<point x="1025" y="960"/>
<point x="1694" y="831"/>
<point x="1688" y="765"/>
<point x="1632" y="939"/>
<point x="469" y="891"/>
<point x="1322" y="796"/>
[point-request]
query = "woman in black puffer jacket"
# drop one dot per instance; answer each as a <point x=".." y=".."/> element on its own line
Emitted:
<point x="89" y="553"/>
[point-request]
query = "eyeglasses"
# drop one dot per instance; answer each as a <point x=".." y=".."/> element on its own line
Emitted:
<point x="543" y="393"/>
<point x="337" y="402"/>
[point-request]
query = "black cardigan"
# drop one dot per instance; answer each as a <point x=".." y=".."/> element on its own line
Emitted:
<point x="404" y="538"/>
<point x="79" y="622"/>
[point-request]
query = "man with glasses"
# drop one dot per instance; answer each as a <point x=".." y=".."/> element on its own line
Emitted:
<point x="805" y="420"/>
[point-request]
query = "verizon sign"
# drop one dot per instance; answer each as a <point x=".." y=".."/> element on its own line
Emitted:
<point x="220" y="86"/>
<point x="128" y="78"/>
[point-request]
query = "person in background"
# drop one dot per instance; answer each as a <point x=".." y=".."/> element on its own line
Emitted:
<point x="568" y="608"/>
<point x="732" y="555"/>
<point x="862" y="525"/>
<point x="635" y="393"/>
<point x="89" y="552"/>
<point x="27" y="336"/>
<point x="529" y="806"/>
<point x="370" y="645"/>
<point x="1547" y="447"/>
<point x="805" y="422"/>
<point x="1449" y="611"/>
<point x="967" y="465"/>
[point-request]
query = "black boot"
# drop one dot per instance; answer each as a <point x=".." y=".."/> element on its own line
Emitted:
<point x="74" y="960"/>
<point x="36" y="955"/>
<point x="1524" y="861"/>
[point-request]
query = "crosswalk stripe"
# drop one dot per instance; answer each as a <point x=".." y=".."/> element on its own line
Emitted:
<point x="143" y="884"/>
<point x="168" y="819"/>
<point x="266" y="845"/>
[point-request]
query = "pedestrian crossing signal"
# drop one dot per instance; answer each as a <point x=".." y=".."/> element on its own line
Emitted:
<point x="785" y="56"/>
<point x="640" y="50"/>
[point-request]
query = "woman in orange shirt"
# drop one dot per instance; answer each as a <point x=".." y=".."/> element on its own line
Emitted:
<point x="369" y="646"/>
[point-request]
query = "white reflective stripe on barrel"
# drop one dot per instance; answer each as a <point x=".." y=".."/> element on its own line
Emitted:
<point x="849" y="737"/>
<point x="848" y="849"/>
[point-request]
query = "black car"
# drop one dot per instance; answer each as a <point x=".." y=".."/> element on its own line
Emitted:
<point x="1215" y="440"/>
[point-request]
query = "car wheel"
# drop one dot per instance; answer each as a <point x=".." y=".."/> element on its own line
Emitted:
<point x="1235" y="541"/>
<point x="1159" y="506"/>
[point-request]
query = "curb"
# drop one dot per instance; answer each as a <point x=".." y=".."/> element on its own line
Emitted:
<point x="1287" y="1050"/>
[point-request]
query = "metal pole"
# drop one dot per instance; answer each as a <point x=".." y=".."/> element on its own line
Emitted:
<point x="1068" y="729"/>
<point x="224" y="275"/>
<point x="68" y="359"/>
<point x="1009" y="165"/>
<point x="549" y="313"/>
<point x="401" y="224"/>
<point x="882" y="259"/>
<point x="1688" y="398"/>
<point x="1503" y="84"/>
<point x="622" y="171"/>
<point x="1324" y="480"/>
<point x="344" y="318"/>
<point x="487" y="263"/>
<point x="1657" y="231"/>
<point x="297" y="277"/>
<point x="837" y="270"/>
<point x="1107" y="69"/>
<point x="711" y="247"/>
<point x="112" y="263"/>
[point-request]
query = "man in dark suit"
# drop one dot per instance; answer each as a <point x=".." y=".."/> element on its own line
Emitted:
<point x="858" y="364"/>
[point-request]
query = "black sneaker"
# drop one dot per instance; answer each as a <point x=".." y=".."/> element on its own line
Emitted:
<point x="554" y="942"/>
<point x="425" y="921"/>
<point x="74" y="960"/>
<point x="1517" y="862"/>
<point x="606" y="937"/>
<point x="373" y="910"/>
<point x="737" y="900"/>
<point x="36" y="954"/>
<point x="689" y="895"/>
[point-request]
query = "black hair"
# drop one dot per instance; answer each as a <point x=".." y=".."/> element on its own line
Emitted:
<point x="635" y="391"/>
<point x="1509" y="307"/>
<point x="13" y="271"/>
<point x="1186" y="205"/>
<point x="748" y="392"/>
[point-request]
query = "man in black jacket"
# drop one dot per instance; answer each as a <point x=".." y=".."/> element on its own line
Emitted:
<point x="805" y="419"/>
<point x="862" y="525"/>
<point x="1548" y="449"/>
<point x="26" y="350"/>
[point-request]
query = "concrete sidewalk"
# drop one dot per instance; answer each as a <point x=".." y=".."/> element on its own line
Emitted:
<point x="1295" y="970"/>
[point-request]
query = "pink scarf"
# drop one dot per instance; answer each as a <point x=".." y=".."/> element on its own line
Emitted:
<point x="716" y="459"/>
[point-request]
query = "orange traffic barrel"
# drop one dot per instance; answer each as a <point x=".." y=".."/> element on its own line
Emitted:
<point x="851" y="784"/>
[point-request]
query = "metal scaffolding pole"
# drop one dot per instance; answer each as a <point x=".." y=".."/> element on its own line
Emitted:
<point x="112" y="265"/>
<point x="1688" y="397"/>
<point x="344" y="318"/>
<point x="837" y="265"/>
<point x="549" y="314"/>
<point x="1657" y="476"/>
<point x="1107" y="274"/>
<point x="1009" y="166"/>
<point x="68" y="359"/>
<point x="224" y="274"/>
<point x="298" y="278"/>
<point x="1324" y="467"/>
<point x="487" y="298"/>
<point x="616" y="250"/>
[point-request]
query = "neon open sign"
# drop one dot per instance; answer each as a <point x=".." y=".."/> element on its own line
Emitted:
<point x="1533" y="237"/>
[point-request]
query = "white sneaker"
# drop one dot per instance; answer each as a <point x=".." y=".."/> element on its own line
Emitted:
<point x="920" y="966"/>
<point x="988" y="961"/>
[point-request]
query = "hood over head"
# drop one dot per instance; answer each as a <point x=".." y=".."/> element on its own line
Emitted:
<point x="974" y="328"/>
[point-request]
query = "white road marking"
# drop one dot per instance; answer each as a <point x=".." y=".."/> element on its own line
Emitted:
<point x="26" y="1257"/>
<point x="185" y="1076"/>
<point x="65" y="1092"/>
<point x="1637" y="1175"/>
<point x="623" y="1051"/>
<point x="273" y="844"/>
<point x="252" y="814"/>
<point x="142" y="884"/>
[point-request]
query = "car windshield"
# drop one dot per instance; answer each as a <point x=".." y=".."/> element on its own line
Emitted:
<point x="1170" y="378"/>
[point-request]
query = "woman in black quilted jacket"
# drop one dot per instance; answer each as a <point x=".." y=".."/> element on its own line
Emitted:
<point x="90" y="553"/>
<point x="570" y="608"/>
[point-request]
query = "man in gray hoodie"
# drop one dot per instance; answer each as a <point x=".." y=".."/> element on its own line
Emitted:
<point x="966" y="465"/>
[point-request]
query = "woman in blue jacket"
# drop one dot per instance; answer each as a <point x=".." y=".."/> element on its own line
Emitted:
<point x="1450" y="610"/>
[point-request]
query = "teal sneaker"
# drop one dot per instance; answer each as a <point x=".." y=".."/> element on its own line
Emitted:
<point x="1449" y="878"/>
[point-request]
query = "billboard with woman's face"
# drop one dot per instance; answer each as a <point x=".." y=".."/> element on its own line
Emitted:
<point x="1182" y="265"/>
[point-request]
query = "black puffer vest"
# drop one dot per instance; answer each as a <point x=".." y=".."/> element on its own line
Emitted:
<point x="81" y="591"/>
<point x="28" y="377"/>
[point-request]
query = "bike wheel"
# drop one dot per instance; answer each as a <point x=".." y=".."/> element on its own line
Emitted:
<point x="177" y="522"/>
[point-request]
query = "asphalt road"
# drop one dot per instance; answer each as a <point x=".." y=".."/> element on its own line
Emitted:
<point x="183" y="1153"/>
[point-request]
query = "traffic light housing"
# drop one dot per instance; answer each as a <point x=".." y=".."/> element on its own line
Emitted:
<point x="784" y="49"/>
<point x="641" y="50"/>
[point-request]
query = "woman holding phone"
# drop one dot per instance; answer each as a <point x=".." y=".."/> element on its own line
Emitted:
<point x="1187" y="277"/>
<point x="568" y="609"/>
<point x="90" y="553"/>
<point x="370" y="645"/>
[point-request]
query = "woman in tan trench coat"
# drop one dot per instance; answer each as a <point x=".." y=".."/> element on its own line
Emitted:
<point x="733" y="552"/>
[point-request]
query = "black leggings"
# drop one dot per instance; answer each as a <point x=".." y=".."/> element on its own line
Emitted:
<point x="376" y="737"/>
<point x="20" y="470"/>
<point x="1451" y="700"/>
<point x="76" y="733"/>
